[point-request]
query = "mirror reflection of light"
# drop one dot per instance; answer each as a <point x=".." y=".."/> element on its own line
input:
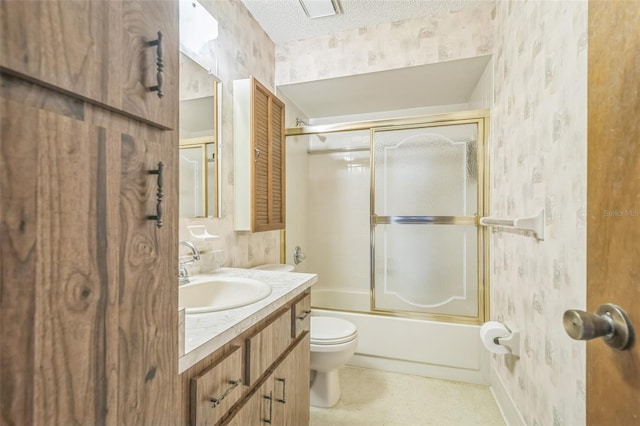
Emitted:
<point x="197" y="30"/>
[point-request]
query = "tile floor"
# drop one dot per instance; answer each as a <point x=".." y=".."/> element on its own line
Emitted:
<point x="379" y="398"/>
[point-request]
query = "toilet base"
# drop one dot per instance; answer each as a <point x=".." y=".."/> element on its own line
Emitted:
<point x="325" y="389"/>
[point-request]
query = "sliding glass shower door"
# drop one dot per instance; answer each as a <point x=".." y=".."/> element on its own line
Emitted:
<point x="426" y="193"/>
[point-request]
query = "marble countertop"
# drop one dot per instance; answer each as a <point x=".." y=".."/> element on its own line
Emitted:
<point x="205" y="333"/>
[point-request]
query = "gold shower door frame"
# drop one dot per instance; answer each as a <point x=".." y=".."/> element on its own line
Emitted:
<point x="482" y="247"/>
<point x="481" y="119"/>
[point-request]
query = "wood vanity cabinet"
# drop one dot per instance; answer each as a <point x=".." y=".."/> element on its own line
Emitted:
<point x="275" y="376"/>
<point x="88" y="291"/>
<point x="283" y="398"/>
<point x="259" y="156"/>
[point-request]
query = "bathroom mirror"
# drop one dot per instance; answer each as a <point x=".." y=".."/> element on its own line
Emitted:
<point x="199" y="142"/>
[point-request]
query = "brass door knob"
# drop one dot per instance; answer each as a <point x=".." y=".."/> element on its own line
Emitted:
<point x="610" y="322"/>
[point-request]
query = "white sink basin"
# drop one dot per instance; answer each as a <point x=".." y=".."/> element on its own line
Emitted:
<point x="279" y="267"/>
<point x="209" y="294"/>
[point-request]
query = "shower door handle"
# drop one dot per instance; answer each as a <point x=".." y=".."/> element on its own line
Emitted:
<point x="423" y="220"/>
<point x="609" y="322"/>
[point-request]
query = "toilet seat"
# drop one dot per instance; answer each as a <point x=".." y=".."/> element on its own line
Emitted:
<point x="331" y="331"/>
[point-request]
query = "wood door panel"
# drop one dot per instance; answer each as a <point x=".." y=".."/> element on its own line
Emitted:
<point x="64" y="44"/>
<point x="141" y="21"/>
<point x="277" y="169"/>
<point x="69" y="312"/>
<point x="18" y="257"/>
<point x="256" y="409"/>
<point x="260" y="119"/>
<point x="613" y="227"/>
<point x="291" y="385"/>
<point x="217" y="382"/>
<point x="148" y="279"/>
<point x="97" y="51"/>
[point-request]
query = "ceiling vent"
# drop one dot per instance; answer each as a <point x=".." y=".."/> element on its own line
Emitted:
<point x="320" y="8"/>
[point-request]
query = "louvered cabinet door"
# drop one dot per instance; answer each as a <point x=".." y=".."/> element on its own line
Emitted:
<point x="259" y="151"/>
<point x="268" y="168"/>
<point x="277" y="170"/>
<point x="261" y="164"/>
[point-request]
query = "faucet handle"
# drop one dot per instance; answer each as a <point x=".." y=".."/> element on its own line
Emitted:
<point x="183" y="274"/>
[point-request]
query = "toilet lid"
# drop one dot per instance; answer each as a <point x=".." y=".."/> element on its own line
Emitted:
<point x="331" y="331"/>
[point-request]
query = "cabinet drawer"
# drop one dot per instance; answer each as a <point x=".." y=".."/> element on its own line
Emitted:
<point x="215" y="390"/>
<point x="265" y="346"/>
<point x="301" y="316"/>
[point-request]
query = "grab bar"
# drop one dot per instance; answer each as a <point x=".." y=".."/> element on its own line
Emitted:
<point x="533" y="223"/>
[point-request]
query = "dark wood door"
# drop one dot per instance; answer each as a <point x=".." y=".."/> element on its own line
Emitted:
<point x="96" y="50"/>
<point x="141" y="21"/>
<point x="147" y="276"/>
<point x="613" y="227"/>
<point x="88" y="327"/>
<point x="88" y="294"/>
<point x="59" y="287"/>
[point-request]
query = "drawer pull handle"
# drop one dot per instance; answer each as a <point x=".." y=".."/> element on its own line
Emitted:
<point x="159" y="195"/>
<point x="217" y="401"/>
<point x="159" y="64"/>
<point x="304" y="314"/>
<point x="270" y="398"/>
<point x="284" y="390"/>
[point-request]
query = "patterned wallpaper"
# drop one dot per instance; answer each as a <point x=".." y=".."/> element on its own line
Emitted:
<point x="538" y="159"/>
<point x="242" y="49"/>
<point x="385" y="46"/>
<point x="537" y="153"/>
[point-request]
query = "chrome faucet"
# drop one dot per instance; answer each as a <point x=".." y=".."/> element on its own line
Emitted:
<point x="183" y="272"/>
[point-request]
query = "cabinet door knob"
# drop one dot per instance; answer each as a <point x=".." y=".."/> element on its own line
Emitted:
<point x="159" y="64"/>
<point x="159" y="195"/>
<point x="609" y="322"/>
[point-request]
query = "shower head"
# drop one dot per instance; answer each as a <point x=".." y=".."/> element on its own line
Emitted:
<point x="321" y="138"/>
<point x="300" y="122"/>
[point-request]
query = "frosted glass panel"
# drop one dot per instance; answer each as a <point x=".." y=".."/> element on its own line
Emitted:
<point x="426" y="268"/>
<point x="429" y="171"/>
<point x="338" y="217"/>
<point x="191" y="182"/>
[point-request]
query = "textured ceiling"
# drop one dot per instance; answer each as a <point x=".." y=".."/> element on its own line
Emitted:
<point x="284" y="20"/>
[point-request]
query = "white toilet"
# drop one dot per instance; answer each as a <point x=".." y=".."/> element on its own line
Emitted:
<point x="333" y="343"/>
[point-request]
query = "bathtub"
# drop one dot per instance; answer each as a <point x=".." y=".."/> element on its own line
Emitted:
<point x="415" y="346"/>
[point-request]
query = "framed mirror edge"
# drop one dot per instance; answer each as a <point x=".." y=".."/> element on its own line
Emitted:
<point x="211" y="212"/>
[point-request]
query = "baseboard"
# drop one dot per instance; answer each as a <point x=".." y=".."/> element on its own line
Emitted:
<point x="510" y="412"/>
<point x="479" y="377"/>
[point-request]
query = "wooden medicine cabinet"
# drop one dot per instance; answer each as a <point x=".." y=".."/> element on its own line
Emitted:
<point x="259" y="157"/>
